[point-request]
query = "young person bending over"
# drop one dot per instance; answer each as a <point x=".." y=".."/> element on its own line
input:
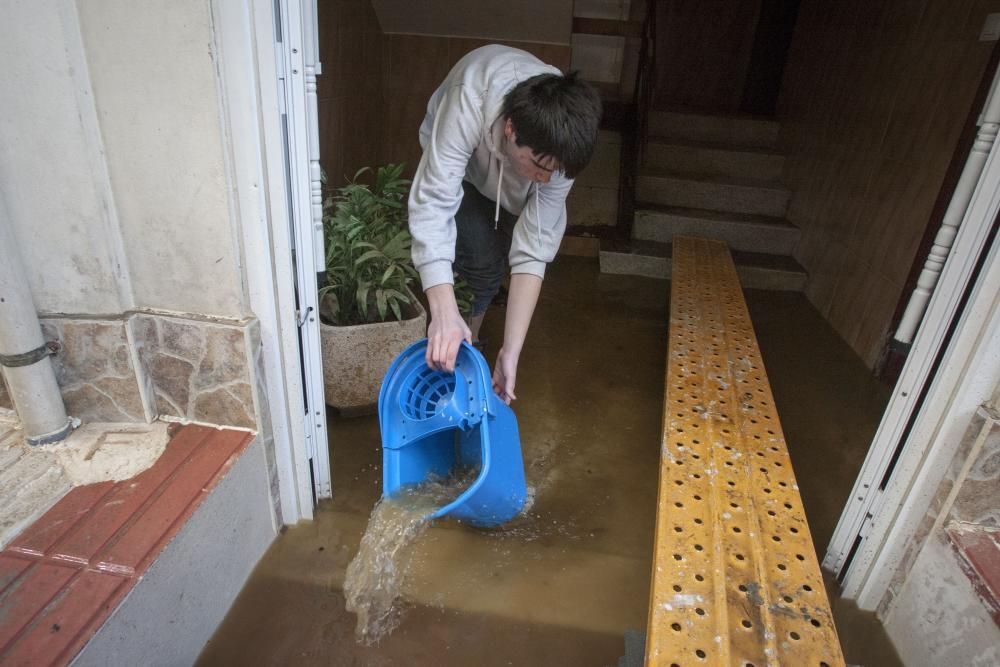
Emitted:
<point x="503" y="137"/>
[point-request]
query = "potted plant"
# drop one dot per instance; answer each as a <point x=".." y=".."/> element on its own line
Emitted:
<point x="367" y="312"/>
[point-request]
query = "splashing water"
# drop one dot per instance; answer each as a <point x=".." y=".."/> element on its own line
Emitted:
<point x="375" y="577"/>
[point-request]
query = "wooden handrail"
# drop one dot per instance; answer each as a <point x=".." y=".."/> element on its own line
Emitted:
<point x="634" y="125"/>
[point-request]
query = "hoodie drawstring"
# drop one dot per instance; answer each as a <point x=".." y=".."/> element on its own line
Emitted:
<point x="538" y="216"/>
<point x="496" y="214"/>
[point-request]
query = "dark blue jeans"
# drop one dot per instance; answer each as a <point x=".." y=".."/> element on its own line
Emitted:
<point x="482" y="246"/>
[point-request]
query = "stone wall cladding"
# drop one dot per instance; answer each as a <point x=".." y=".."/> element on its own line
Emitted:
<point x="140" y="366"/>
<point x="94" y="369"/>
<point x="197" y="369"/>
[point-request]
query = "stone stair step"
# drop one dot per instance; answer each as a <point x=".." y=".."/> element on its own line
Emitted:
<point x="703" y="157"/>
<point x="731" y="130"/>
<point x="714" y="193"/>
<point x="653" y="260"/>
<point x="743" y="232"/>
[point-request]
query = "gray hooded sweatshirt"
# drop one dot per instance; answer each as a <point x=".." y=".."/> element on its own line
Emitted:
<point x="461" y="136"/>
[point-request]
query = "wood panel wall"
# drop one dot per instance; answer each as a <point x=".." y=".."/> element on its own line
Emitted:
<point x="374" y="88"/>
<point x="412" y="68"/>
<point x="874" y="98"/>
<point x="349" y="91"/>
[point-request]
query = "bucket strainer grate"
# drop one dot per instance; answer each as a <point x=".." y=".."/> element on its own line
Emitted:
<point x="426" y="392"/>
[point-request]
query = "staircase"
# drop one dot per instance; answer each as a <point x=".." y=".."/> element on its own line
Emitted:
<point x="717" y="177"/>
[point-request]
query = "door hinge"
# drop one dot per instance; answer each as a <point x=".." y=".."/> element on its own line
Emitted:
<point x="866" y="525"/>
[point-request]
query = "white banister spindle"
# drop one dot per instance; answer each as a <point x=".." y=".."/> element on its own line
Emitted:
<point x="315" y="173"/>
<point x="312" y="67"/>
<point x="973" y="169"/>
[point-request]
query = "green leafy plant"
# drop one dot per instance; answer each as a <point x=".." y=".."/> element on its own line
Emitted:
<point x="463" y="296"/>
<point x="368" y="263"/>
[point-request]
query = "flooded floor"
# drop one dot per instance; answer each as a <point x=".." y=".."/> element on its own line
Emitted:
<point x="561" y="585"/>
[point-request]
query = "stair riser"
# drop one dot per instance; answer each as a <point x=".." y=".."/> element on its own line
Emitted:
<point x="714" y="161"/>
<point x="663" y="227"/>
<point x="733" y="131"/>
<point x="659" y="267"/>
<point x="627" y="264"/>
<point x="712" y="196"/>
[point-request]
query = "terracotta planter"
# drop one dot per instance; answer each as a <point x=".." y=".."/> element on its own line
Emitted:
<point x="355" y="359"/>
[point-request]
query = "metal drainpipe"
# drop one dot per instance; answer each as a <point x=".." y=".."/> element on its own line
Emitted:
<point x="24" y="354"/>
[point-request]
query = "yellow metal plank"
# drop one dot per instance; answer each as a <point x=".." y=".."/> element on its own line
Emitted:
<point x="735" y="576"/>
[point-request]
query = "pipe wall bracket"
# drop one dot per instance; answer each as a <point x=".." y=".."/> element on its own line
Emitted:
<point x="31" y="357"/>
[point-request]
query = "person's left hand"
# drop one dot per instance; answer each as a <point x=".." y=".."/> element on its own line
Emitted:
<point x="505" y="375"/>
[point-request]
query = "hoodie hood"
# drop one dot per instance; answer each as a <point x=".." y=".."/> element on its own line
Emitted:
<point x="462" y="136"/>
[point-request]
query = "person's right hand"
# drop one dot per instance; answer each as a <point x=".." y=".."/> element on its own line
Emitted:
<point x="447" y="329"/>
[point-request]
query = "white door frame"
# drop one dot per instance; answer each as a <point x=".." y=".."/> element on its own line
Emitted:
<point x="968" y="376"/>
<point x="297" y="57"/>
<point x="249" y="69"/>
<point x="877" y="524"/>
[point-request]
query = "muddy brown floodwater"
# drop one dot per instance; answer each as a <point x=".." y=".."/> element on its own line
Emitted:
<point x="561" y="584"/>
<point x="376" y="575"/>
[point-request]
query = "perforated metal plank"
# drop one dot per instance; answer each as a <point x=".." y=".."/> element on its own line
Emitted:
<point x="735" y="576"/>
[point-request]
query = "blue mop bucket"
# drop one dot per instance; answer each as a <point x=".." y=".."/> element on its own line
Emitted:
<point x="435" y="422"/>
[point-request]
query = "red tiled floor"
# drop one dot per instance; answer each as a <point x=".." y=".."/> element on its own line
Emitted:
<point x="162" y="519"/>
<point x="59" y="520"/>
<point x="979" y="549"/>
<point x="10" y="570"/>
<point x="62" y="577"/>
<point x="54" y="632"/>
<point x="103" y="523"/>
<point x="28" y="596"/>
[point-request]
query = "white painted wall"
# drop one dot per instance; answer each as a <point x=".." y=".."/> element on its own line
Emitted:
<point x="112" y="167"/>
<point x="58" y="204"/>
<point x="154" y="79"/>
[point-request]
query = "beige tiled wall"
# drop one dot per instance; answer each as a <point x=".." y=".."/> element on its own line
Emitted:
<point x="874" y="99"/>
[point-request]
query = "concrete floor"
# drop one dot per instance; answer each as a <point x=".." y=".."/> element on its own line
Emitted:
<point x="561" y="585"/>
